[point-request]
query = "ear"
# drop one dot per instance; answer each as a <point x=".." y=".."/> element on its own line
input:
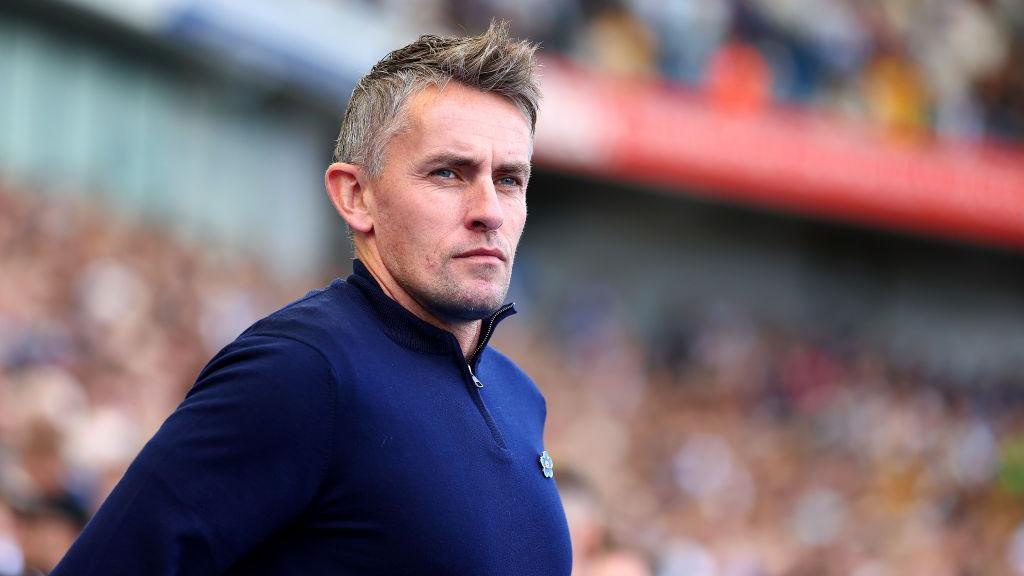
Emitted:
<point x="346" y="186"/>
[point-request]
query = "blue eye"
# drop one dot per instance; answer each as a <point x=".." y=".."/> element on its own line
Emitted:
<point x="444" y="173"/>
<point x="509" y="181"/>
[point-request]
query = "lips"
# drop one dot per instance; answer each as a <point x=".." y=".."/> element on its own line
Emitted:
<point x="493" y="252"/>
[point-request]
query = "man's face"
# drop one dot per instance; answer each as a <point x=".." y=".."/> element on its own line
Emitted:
<point x="450" y="205"/>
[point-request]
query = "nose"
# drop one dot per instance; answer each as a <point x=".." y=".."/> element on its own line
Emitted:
<point x="485" y="211"/>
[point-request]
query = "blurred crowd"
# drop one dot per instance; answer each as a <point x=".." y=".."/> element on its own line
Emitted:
<point x="915" y="67"/>
<point x="105" y="322"/>
<point x="731" y="447"/>
<point x="734" y="447"/>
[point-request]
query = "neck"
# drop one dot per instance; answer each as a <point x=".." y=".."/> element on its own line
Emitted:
<point x="466" y="332"/>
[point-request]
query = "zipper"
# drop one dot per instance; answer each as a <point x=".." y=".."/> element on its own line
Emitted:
<point x="475" y="392"/>
<point x="478" y="399"/>
<point x="486" y="338"/>
<point x="476" y="381"/>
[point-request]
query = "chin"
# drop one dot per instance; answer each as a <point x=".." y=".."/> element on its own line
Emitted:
<point x="470" y="307"/>
<point x="465" y="297"/>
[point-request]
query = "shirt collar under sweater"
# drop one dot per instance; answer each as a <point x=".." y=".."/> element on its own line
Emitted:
<point x="406" y="329"/>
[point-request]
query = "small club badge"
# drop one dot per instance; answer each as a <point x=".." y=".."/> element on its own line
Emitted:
<point x="547" y="465"/>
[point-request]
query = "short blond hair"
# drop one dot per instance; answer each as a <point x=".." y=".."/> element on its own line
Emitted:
<point x="490" y="62"/>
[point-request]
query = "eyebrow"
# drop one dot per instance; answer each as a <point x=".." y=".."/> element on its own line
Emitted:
<point x="449" y="159"/>
<point x="518" y="168"/>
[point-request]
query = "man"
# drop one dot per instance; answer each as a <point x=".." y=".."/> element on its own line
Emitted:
<point x="368" y="428"/>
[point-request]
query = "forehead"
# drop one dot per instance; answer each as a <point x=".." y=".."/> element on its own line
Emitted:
<point x="457" y="117"/>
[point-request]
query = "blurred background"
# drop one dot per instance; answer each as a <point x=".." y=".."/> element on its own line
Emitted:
<point x="772" y="284"/>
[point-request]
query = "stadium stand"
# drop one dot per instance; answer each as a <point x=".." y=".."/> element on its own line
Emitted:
<point x="767" y="393"/>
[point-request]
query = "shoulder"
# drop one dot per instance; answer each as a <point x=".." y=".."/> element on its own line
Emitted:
<point x="289" y="366"/>
<point x="327" y="321"/>
<point x="310" y="318"/>
<point x="260" y="379"/>
<point x="256" y="357"/>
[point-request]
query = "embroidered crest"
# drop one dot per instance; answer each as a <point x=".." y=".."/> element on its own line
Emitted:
<point x="547" y="465"/>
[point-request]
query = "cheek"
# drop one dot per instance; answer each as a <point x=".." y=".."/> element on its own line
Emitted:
<point x="515" y="221"/>
<point x="396" y="221"/>
<point x="411" y="233"/>
<point x="394" y="240"/>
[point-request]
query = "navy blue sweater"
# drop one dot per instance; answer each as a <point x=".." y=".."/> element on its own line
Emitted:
<point x="340" y="435"/>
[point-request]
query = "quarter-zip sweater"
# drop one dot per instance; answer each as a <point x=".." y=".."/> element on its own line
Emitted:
<point x="341" y="435"/>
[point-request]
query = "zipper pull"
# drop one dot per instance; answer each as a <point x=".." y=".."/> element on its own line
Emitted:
<point x="476" y="381"/>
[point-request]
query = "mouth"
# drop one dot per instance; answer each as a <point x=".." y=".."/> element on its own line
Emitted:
<point x="483" y="254"/>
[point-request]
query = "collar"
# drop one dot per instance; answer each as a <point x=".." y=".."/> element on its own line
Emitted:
<point x="407" y="330"/>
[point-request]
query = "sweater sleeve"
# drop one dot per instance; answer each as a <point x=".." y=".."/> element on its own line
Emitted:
<point x="243" y="455"/>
